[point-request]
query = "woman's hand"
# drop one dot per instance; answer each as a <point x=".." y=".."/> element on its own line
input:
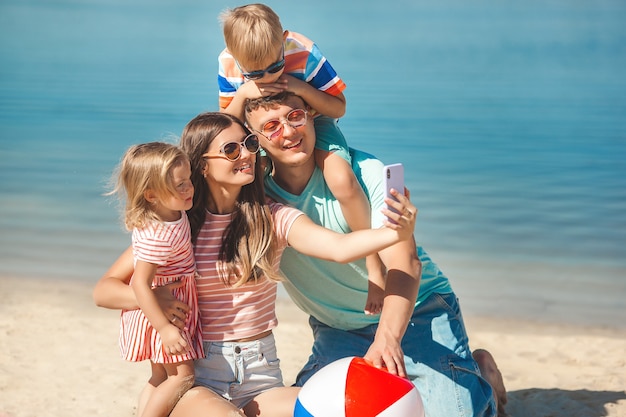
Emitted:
<point x="175" y="310"/>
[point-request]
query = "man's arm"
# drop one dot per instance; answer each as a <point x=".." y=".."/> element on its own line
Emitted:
<point x="403" y="276"/>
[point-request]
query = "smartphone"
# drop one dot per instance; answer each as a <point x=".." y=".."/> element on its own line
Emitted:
<point x="393" y="177"/>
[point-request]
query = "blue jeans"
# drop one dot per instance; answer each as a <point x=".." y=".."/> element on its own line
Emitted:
<point x="239" y="371"/>
<point x="437" y="357"/>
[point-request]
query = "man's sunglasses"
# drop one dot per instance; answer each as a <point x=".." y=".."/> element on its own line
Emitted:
<point x="273" y="129"/>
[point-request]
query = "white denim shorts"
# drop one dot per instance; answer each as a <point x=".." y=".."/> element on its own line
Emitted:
<point x="239" y="371"/>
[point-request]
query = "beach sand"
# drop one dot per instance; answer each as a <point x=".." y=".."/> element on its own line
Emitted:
<point x="60" y="358"/>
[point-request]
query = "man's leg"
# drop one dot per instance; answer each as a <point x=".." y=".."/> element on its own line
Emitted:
<point x="332" y="344"/>
<point x="440" y="363"/>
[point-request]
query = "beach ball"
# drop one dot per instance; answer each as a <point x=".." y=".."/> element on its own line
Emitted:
<point x="352" y="387"/>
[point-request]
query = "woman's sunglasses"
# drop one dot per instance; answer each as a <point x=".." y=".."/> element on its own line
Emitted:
<point x="232" y="150"/>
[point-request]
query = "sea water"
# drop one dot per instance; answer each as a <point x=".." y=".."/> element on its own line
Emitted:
<point x="510" y="119"/>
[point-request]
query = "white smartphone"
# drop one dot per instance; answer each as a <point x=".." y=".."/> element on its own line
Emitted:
<point x="393" y="177"/>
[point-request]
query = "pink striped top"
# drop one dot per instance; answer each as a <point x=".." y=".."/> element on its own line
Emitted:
<point x="234" y="313"/>
<point x="166" y="244"/>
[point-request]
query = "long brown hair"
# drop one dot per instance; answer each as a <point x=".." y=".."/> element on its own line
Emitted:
<point x="248" y="244"/>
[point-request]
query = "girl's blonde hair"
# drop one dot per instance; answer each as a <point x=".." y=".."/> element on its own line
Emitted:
<point x="252" y="33"/>
<point x="248" y="247"/>
<point x="145" y="167"/>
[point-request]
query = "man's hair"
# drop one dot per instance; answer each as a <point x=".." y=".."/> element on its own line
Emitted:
<point x="252" y="33"/>
<point x="268" y="102"/>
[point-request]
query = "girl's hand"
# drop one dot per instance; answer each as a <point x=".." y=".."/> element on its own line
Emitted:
<point x="401" y="214"/>
<point x="173" y="342"/>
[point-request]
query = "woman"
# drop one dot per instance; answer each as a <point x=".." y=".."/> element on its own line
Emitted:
<point x="238" y="238"/>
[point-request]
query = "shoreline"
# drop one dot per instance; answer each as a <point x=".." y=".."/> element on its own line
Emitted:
<point x="61" y="357"/>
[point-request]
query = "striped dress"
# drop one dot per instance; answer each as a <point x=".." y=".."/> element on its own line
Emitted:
<point x="234" y="313"/>
<point x="168" y="245"/>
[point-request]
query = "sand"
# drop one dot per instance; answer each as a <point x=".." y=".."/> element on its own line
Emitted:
<point x="60" y="358"/>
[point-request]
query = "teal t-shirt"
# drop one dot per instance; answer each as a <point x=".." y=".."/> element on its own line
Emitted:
<point x="335" y="293"/>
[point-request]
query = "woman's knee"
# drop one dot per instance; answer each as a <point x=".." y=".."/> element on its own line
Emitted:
<point x="202" y="402"/>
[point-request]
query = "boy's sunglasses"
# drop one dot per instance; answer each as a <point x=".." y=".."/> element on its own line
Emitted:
<point x="272" y="69"/>
<point x="232" y="150"/>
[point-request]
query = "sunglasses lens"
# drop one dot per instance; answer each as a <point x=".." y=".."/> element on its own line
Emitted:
<point x="276" y="67"/>
<point x="257" y="75"/>
<point x="296" y="117"/>
<point x="252" y="144"/>
<point x="231" y="150"/>
<point x="271" y="127"/>
<point x="274" y="128"/>
<point x="272" y="69"/>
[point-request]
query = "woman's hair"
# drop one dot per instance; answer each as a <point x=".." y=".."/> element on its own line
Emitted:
<point x="252" y="33"/>
<point x="145" y="167"/>
<point x="248" y="244"/>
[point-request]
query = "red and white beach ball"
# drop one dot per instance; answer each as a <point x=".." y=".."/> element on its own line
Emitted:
<point x="352" y="387"/>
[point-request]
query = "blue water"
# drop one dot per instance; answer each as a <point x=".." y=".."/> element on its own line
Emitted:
<point x="510" y="120"/>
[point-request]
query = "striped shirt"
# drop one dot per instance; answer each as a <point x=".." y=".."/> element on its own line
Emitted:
<point x="167" y="245"/>
<point x="303" y="60"/>
<point x="234" y="313"/>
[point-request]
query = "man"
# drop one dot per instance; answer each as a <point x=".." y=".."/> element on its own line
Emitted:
<point x="422" y="338"/>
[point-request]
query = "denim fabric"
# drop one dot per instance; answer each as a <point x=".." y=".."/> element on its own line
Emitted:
<point x="437" y="358"/>
<point x="239" y="371"/>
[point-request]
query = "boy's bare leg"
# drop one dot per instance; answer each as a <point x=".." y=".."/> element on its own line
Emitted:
<point x="342" y="182"/>
<point x="375" y="285"/>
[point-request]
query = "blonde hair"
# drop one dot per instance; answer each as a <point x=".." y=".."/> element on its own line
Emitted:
<point x="145" y="167"/>
<point x="252" y="33"/>
<point x="249" y="246"/>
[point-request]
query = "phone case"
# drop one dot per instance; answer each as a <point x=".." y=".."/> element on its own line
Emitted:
<point x="393" y="177"/>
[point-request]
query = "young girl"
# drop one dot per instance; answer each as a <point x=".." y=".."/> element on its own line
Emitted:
<point x="155" y="180"/>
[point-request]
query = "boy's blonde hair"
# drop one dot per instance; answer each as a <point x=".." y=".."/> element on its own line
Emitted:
<point x="144" y="167"/>
<point x="252" y="33"/>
